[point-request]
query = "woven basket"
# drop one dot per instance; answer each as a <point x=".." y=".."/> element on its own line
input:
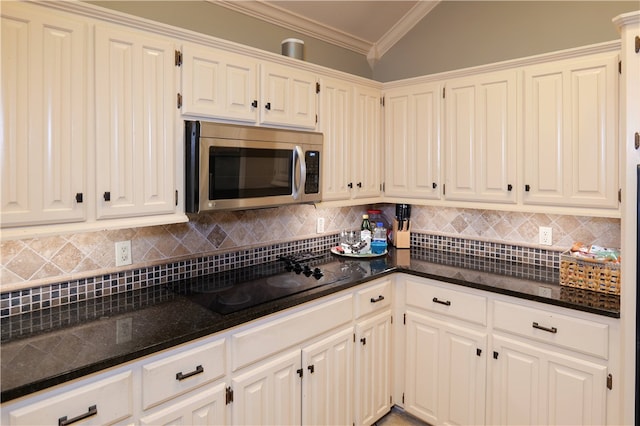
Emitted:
<point x="603" y="277"/>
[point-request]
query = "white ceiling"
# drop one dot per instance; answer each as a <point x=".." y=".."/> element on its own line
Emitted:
<point x="364" y="26"/>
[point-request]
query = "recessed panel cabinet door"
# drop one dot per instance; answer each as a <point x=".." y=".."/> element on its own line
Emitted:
<point x="327" y="390"/>
<point x="335" y="122"/>
<point x="219" y="84"/>
<point x="373" y="373"/>
<point x="366" y="163"/>
<point x="269" y="394"/>
<point x="571" y="153"/>
<point x="481" y="138"/>
<point x="288" y="96"/>
<point x="44" y="115"/>
<point x="135" y="112"/>
<point x="538" y="386"/>
<point x="412" y="132"/>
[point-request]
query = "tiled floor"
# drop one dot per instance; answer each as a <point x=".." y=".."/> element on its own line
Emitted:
<point x="398" y="417"/>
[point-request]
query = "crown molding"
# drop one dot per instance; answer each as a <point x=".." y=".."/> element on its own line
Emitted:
<point x="286" y="19"/>
<point x="402" y="27"/>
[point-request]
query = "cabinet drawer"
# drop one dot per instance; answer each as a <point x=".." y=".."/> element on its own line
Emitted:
<point x="179" y="373"/>
<point x="373" y="298"/>
<point x="446" y="301"/>
<point x="584" y="336"/>
<point x="263" y="340"/>
<point x="102" y="402"/>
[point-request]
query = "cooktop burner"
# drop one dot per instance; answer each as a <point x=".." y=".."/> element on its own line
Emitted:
<point x="234" y="290"/>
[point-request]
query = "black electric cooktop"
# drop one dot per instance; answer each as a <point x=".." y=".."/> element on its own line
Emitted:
<point x="231" y="291"/>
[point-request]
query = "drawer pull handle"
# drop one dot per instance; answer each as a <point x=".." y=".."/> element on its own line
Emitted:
<point x="539" y="327"/>
<point x="92" y="411"/>
<point x="198" y="370"/>
<point x="379" y="299"/>
<point x="442" y="302"/>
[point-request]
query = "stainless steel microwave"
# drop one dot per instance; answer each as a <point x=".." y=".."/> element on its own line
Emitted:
<point x="230" y="167"/>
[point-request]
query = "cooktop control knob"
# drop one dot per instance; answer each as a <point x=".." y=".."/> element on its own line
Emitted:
<point x="297" y="268"/>
<point x="307" y="271"/>
<point x="317" y="273"/>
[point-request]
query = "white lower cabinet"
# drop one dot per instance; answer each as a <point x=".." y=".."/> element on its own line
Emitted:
<point x="206" y="407"/>
<point x="327" y="385"/>
<point x="445" y="371"/>
<point x="542" y="386"/>
<point x="373" y="368"/>
<point x="102" y="402"/>
<point x="270" y="393"/>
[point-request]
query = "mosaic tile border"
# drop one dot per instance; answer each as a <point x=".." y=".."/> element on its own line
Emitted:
<point x="106" y="286"/>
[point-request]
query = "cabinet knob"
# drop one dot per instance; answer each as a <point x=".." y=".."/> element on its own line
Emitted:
<point x="107" y="196"/>
<point x="268" y="106"/>
<point x="79" y="197"/>
<point x="509" y="187"/>
<point x="350" y="185"/>
<point x="363" y="340"/>
<point x="311" y="368"/>
<point x="527" y="188"/>
<point x="254" y="103"/>
<point x="434" y="185"/>
<point x="359" y="184"/>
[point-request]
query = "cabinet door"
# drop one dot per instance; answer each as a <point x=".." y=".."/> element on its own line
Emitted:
<point x="366" y="157"/>
<point x="422" y="374"/>
<point x="219" y="84"/>
<point x="206" y="407"/>
<point x="445" y="372"/>
<point x="570" y="133"/>
<point x="288" y="96"/>
<point x="135" y="112"/>
<point x="481" y="138"/>
<point x="335" y="122"/>
<point x="44" y="115"/>
<point x="537" y="386"/>
<point x="372" y="368"/>
<point x="269" y="394"/>
<point x="412" y="129"/>
<point x="327" y="390"/>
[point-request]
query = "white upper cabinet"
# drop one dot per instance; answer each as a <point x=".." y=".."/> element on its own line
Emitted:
<point x="287" y="96"/>
<point x="412" y="141"/>
<point x="366" y="165"/>
<point x="350" y="119"/>
<point x="135" y="116"/>
<point x="571" y="155"/>
<point x="219" y="84"/>
<point x="481" y="137"/>
<point x="44" y="115"/>
<point x="336" y="123"/>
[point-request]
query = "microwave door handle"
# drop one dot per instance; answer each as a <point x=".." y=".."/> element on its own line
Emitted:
<point x="298" y="156"/>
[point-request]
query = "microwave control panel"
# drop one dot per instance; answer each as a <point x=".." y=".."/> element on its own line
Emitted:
<point x="312" y="184"/>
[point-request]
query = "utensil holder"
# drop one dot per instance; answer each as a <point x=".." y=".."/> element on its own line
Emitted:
<point x="401" y="239"/>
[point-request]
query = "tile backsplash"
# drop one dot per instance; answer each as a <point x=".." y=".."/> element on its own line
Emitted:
<point x="36" y="262"/>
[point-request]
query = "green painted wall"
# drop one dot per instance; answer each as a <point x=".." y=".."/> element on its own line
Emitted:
<point x="208" y="18"/>
<point x="454" y="35"/>
<point x="462" y="34"/>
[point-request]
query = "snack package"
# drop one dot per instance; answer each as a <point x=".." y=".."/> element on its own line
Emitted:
<point x="595" y="253"/>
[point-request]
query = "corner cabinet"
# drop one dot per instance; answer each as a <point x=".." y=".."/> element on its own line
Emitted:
<point x="570" y="132"/>
<point x="350" y="119"/>
<point x="481" y="137"/>
<point x="44" y="116"/>
<point x="135" y="116"/>
<point x="412" y="141"/>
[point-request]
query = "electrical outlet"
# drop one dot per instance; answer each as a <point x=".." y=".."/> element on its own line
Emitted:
<point x="545" y="235"/>
<point x="123" y="253"/>
<point x="320" y="226"/>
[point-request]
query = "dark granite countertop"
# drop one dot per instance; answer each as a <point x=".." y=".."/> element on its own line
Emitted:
<point x="45" y="348"/>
